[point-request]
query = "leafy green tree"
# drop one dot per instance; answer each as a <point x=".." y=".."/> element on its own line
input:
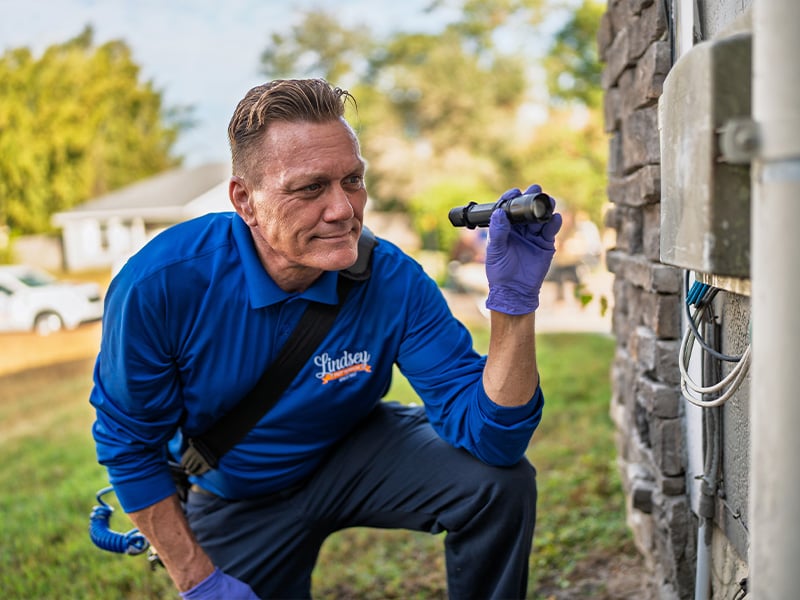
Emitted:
<point x="446" y="92"/>
<point x="570" y="150"/>
<point x="573" y="64"/>
<point x="319" y="46"/>
<point x="75" y="123"/>
<point x="430" y="106"/>
<point x="568" y="157"/>
<point x="440" y="115"/>
<point x="481" y="21"/>
<point x="428" y="207"/>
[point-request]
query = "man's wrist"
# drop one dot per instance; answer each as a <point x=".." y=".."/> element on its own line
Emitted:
<point x="189" y="578"/>
<point x="505" y="300"/>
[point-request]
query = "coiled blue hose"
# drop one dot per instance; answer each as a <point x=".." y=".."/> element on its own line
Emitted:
<point x="105" y="538"/>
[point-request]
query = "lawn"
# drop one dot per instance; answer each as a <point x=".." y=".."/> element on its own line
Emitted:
<point x="50" y="477"/>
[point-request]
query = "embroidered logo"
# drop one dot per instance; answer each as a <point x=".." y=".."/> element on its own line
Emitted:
<point x="347" y="365"/>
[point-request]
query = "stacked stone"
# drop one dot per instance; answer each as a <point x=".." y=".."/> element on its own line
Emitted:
<point x="634" y="44"/>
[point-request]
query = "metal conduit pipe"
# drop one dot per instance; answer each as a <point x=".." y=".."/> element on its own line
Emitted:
<point x="712" y="372"/>
<point x="702" y="589"/>
<point x="775" y="275"/>
<point x="685" y="23"/>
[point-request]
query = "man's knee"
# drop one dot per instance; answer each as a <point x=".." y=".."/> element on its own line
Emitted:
<point x="513" y="488"/>
<point x="517" y="484"/>
<point x="498" y="502"/>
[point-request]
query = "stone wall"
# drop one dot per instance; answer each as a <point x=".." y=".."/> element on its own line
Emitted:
<point x="660" y="436"/>
<point x="646" y="406"/>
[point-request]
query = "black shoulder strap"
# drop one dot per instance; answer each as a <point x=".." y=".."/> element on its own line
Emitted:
<point x="204" y="451"/>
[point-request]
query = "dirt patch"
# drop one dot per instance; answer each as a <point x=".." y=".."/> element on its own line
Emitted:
<point x="40" y="398"/>
<point x="38" y="377"/>
<point x="603" y="576"/>
<point x="27" y="381"/>
<point x="22" y="351"/>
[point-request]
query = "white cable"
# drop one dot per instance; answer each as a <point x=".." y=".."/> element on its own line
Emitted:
<point x="724" y="397"/>
<point x="732" y="380"/>
<point x="740" y="366"/>
<point x="686" y="352"/>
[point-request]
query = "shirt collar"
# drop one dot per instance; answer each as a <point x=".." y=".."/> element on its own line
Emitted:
<point x="262" y="289"/>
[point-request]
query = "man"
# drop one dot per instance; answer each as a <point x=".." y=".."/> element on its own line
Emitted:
<point x="195" y="318"/>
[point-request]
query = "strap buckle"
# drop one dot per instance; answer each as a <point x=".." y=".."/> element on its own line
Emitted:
<point x="198" y="458"/>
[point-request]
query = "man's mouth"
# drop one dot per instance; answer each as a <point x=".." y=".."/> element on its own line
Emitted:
<point x="336" y="235"/>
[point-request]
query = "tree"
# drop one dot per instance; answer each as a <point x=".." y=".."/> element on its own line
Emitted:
<point x="75" y="123"/>
<point x="571" y="149"/>
<point x="429" y="105"/>
<point x="440" y="114"/>
<point x="568" y="157"/>
<point x="319" y="46"/>
<point x="573" y="65"/>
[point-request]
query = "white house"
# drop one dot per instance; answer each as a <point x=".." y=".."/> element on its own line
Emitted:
<point x="106" y="230"/>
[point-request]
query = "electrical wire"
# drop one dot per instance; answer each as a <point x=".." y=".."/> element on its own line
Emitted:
<point x="701" y="295"/>
<point x="732" y="381"/>
<point x="741" y="594"/>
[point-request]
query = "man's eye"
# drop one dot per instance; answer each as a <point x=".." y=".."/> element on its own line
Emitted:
<point x="354" y="182"/>
<point x="313" y="187"/>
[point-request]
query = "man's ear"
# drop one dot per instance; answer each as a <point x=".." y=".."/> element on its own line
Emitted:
<point x="239" y="194"/>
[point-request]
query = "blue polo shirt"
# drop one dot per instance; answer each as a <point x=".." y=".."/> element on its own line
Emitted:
<point x="193" y="320"/>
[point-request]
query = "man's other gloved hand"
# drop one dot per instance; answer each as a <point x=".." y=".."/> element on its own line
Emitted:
<point x="219" y="585"/>
<point x="517" y="259"/>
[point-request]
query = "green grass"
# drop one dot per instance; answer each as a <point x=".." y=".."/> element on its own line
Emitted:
<point x="50" y="477"/>
<point x="581" y="505"/>
<point x="48" y="483"/>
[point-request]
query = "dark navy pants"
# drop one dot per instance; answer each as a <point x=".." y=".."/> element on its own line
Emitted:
<point x="392" y="471"/>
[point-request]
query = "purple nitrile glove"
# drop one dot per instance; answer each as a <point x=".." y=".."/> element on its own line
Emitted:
<point x="517" y="259"/>
<point x="219" y="585"/>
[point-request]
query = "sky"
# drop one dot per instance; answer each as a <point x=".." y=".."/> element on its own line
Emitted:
<point x="203" y="53"/>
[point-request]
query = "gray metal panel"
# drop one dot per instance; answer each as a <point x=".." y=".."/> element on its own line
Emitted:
<point x="716" y="17"/>
<point x="705" y="203"/>
<point x="734" y="504"/>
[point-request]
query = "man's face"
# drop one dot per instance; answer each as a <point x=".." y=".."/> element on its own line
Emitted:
<point x="307" y="209"/>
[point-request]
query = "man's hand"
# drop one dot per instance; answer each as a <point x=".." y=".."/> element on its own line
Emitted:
<point x="218" y="585"/>
<point x="518" y="258"/>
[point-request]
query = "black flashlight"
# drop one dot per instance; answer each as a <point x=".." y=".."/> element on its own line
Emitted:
<point x="529" y="208"/>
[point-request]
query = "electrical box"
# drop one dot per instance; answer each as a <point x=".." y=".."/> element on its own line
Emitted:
<point x="705" y="198"/>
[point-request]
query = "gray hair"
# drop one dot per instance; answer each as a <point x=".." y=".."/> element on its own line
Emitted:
<point x="288" y="100"/>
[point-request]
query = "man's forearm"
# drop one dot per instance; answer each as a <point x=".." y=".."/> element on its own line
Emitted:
<point x="165" y="526"/>
<point x="510" y="376"/>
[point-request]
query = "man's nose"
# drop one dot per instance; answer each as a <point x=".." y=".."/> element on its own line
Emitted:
<point x="339" y="208"/>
